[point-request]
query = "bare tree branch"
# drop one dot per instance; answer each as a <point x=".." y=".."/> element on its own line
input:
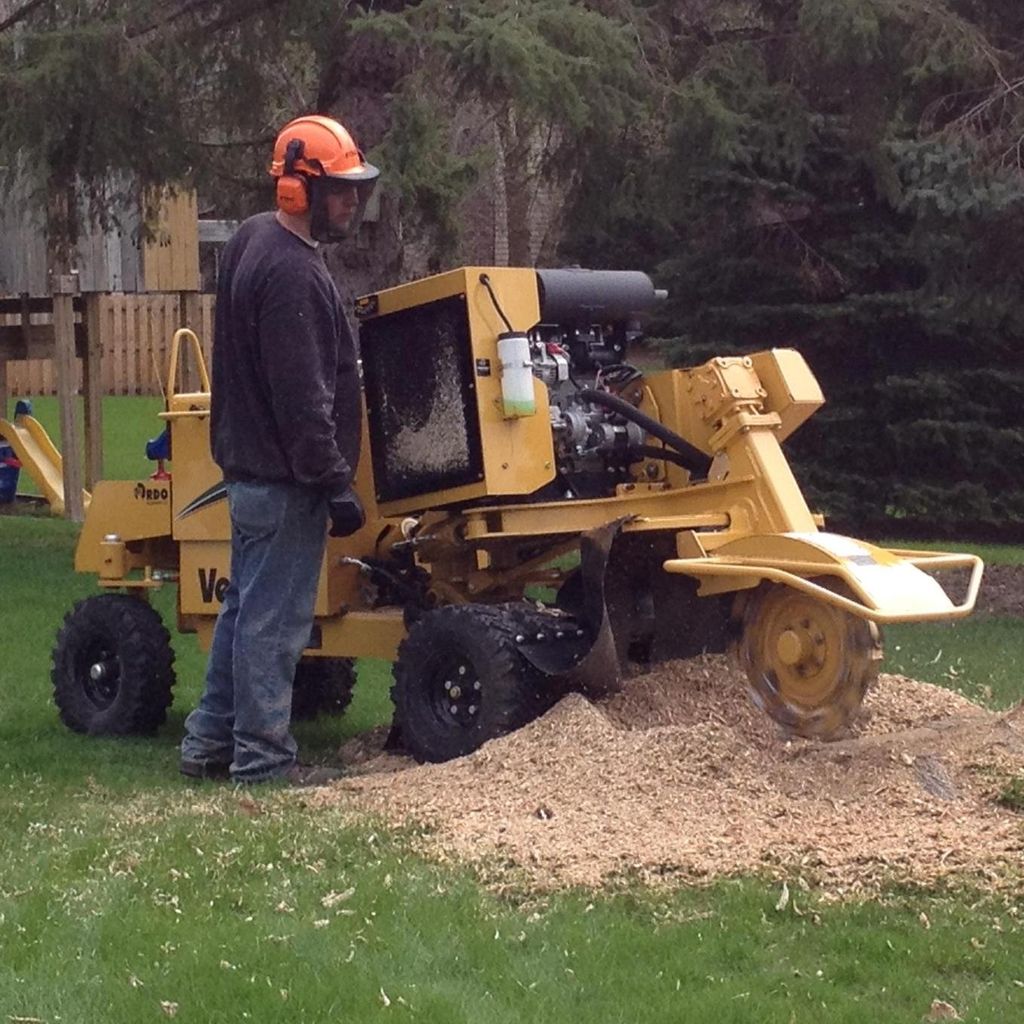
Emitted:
<point x="11" y="15"/>
<point x="226" y="14"/>
<point x="262" y="141"/>
<point x="144" y="32"/>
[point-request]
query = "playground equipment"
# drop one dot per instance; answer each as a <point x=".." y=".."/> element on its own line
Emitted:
<point x="38" y="456"/>
<point x="10" y="469"/>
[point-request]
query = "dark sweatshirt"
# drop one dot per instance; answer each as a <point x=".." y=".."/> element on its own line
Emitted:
<point x="286" y="399"/>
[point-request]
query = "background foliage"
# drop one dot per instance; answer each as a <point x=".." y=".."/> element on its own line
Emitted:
<point x="845" y="177"/>
<point x="839" y="175"/>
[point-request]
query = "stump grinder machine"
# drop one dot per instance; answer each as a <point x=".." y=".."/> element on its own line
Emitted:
<point x="542" y="516"/>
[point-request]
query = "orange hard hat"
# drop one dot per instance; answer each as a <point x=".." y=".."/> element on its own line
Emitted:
<point x="313" y="154"/>
<point x="315" y="145"/>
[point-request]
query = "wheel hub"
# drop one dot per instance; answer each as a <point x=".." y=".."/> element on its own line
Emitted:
<point x="793" y="647"/>
<point x="808" y="663"/>
<point x="101" y="672"/>
<point x="457" y="691"/>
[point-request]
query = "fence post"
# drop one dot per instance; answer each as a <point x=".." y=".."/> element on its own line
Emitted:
<point x="64" y="287"/>
<point x="92" y="388"/>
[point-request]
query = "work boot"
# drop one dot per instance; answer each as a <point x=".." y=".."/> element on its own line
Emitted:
<point x="214" y="770"/>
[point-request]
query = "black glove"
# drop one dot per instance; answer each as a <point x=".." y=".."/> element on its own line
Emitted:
<point x="347" y="514"/>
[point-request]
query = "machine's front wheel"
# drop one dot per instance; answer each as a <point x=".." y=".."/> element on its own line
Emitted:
<point x="323" y="686"/>
<point x="113" y="667"/>
<point x="460" y="681"/>
<point x="808" y="663"/>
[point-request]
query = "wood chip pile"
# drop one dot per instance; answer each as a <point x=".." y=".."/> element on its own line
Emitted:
<point x="681" y="777"/>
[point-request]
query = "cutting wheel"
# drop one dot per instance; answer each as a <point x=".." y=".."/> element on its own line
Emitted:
<point x="808" y="663"/>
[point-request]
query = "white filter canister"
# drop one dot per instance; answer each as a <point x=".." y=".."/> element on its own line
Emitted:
<point x="517" y="393"/>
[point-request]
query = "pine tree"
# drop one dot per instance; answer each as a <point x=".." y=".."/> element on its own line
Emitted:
<point x="108" y="94"/>
<point x="842" y="176"/>
<point x="109" y="97"/>
<point x="554" y="78"/>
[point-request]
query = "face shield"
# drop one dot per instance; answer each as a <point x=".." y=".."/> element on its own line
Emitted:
<point x="338" y="203"/>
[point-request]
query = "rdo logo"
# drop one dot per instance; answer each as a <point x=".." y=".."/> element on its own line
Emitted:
<point x="144" y="493"/>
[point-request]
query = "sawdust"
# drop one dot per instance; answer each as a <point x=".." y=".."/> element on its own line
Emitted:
<point x="680" y="776"/>
<point x="438" y="443"/>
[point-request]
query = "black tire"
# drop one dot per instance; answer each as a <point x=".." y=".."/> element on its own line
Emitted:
<point x="323" y="686"/>
<point x="470" y="648"/>
<point x="113" y="671"/>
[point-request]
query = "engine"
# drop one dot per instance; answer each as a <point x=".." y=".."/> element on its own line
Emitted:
<point x="594" y="446"/>
<point x="595" y="318"/>
<point x="451" y="397"/>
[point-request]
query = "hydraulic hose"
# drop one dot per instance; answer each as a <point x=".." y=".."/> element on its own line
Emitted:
<point x="694" y="459"/>
<point x="650" y="451"/>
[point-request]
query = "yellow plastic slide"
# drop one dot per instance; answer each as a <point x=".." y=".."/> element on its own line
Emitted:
<point x="39" y="458"/>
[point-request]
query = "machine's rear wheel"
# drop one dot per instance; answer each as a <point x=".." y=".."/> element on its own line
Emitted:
<point x="113" y="667"/>
<point x="459" y="681"/>
<point x="323" y="686"/>
<point x="808" y="663"/>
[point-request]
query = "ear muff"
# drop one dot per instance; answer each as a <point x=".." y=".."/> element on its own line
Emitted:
<point x="292" y="188"/>
<point x="292" y="194"/>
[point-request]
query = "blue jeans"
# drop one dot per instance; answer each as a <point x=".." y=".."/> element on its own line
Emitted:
<point x="278" y="534"/>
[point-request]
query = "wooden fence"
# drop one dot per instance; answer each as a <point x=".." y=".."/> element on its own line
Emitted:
<point x="135" y="332"/>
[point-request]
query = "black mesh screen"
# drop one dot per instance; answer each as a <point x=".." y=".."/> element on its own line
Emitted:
<point x="418" y="375"/>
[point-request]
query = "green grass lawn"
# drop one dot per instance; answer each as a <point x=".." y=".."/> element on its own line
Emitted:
<point x="991" y="554"/>
<point x="981" y="657"/>
<point x="127" y="894"/>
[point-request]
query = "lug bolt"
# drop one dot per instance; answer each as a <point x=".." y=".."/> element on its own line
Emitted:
<point x="472" y="709"/>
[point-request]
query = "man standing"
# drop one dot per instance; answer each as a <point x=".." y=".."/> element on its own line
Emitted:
<point x="285" y="428"/>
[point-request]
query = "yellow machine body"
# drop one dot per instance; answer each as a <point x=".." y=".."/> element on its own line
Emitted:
<point x="745" y="530"/>
<point x="515" y="454"/>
